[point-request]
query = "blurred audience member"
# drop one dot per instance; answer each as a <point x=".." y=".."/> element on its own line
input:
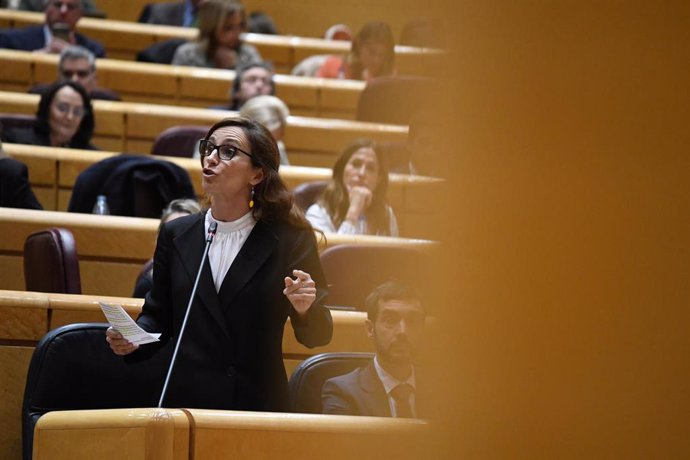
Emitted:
<point x="64" y="119"/>
<point x="338" y="32"/>
<point x="176" y="208"/>
<point x="61" y="17"/>
<point x="422" y="144"/>
<point x="387" y="386"/>
<point x="253" y="80"/>
<point x="219" y="45"/>
<point x="309" y="66"/>
<point x="15" y="189"/>
<point x="272" y="113"/>
<point x="372" y="55"/>
<point x="181" y="13"/>
<point x="261" y="23"/>
<point x="78" y="64"/>
<point x="354" y="202"/>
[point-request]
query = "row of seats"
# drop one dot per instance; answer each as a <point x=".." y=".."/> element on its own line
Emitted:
<point x="51" y="264"/>
<point x="74" y="368"/>
<point x="123" y="40"/>
<point x="133" y="127"/>
<point x="53" y="172"/>
<point x="112" y="249"/>
<point x="185" y="86"/>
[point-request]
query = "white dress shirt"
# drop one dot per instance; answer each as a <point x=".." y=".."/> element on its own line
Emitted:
<point x="229" y="239"/>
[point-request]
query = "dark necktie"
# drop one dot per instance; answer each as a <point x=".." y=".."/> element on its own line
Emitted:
<point x="401" y="395"/>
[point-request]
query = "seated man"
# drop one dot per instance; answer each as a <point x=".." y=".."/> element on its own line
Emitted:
<point x="180" y="13"/>
<point x="253" y="80"/>
<point x="79" y="64"/>
<point x="61" y="17"/>
<point x="388" y="385"/>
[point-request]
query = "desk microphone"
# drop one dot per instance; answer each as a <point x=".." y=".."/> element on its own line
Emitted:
<point x="213" y="226"/>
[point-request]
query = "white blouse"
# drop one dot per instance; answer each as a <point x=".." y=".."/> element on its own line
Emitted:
<point x="229" y="239"/>
<point x="319" y="218"/>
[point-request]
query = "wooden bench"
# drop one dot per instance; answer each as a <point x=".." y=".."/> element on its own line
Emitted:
<point x="112" y="249"/>
<point x="195" y="434"/>
<point x="53" y="172"/>
<point x="25" y="317"/>
<point x="185" y="86"/>
<point x="123" y="40"/>
<point x="132" y="127"/>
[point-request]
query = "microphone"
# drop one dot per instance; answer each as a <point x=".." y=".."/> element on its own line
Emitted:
<point x="213" y="226"/>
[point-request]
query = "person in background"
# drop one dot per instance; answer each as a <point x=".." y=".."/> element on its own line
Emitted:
<point x="78" y="64"/>
<point x="422" y="146"/>
<point x="64" y="119"/>
<point x="15" y="188"/>
<point x="354" y="202"/>
<point x="262" y="267"/>
<point x="176" y="208"/>
<point x="273" y="114"/>
<point x="372" y="55"/>
<point x="388" y="386"/>
<point x="309" y="66"/>
<point x="261" y="23"/>
<point x="219" y="45"/>
<point x="61" y="17"/>
<point x="255" y="79"/>
<point x="181" y="13"/>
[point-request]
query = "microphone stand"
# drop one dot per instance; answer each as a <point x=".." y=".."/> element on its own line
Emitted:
<point x="213" y="226"/>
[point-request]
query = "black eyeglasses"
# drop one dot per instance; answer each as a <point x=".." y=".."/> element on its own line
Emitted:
<point x="70" y="6"/>
<point x="71" y="73"/>
<point x="226" y="152"/>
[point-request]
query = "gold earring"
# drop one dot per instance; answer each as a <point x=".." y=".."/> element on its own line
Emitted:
<point x="251" y="198"/>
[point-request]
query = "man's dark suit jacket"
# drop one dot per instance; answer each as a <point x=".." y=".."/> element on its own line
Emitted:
<point x="358" y="393"/>
<point x="231" y="353"/>
<point x="31" y="38"/>
<point x="169" y="13"/>
<point x="15" y="190"/>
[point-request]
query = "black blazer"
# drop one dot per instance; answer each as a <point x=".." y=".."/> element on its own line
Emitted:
<point x="15" y="189"/>
<point x="231" y="353"/>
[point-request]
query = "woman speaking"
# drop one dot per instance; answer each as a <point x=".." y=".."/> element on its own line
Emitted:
<point x="262" y="268"/>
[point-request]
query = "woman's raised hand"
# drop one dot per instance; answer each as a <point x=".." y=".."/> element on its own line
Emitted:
<point x="360" y="199"/>
<point x="301" y="291"/>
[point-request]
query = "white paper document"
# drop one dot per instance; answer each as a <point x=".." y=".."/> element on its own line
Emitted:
<point x="125" y="325"/>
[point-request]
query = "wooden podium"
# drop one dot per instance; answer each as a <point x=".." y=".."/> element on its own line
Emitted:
<point x="172" y="434"/>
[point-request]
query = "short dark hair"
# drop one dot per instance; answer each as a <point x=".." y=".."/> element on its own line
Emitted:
<point x="239" y="73"/>
<point x="390" y="290"/>
<point x="82" y="138"/>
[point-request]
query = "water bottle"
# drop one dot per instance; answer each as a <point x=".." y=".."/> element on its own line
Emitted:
<point x="101" y="206"/>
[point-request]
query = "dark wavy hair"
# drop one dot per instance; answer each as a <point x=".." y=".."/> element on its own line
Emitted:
<point x="82" y="138"/>
<point x="272" y="200"/>
<point x="337" y="201"/>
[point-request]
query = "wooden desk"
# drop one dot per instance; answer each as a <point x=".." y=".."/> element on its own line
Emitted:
<point x="132" y="127"/>
<point x="26" y="316"/>
<point x="184" y="86"/>
<point x="112" y="249"/>
<point x="53" y="172"/>
<point x="207" y="435"/>
<point x="123" y="40"/>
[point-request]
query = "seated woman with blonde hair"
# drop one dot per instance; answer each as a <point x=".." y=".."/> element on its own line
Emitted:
<point x="219" y="45"/>
<point x="354" y="202"/>
<point x="272" y="113"/>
